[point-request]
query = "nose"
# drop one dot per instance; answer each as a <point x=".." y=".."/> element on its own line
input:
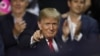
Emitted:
<point x="51" y="27"/>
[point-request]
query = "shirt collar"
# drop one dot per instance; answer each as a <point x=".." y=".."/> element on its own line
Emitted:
<point x="72" y="27"/>
<point x="79" y="18"/>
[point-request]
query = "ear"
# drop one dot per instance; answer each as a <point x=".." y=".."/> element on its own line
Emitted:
<point x="39" y="25"/>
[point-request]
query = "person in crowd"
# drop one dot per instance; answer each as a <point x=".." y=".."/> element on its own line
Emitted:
<point x="48" y="24"/>
<point x="17" y="27"/>
<point x="81" y="30"/>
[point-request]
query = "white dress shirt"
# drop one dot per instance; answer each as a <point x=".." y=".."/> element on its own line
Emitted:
<point x="72" y="27"/>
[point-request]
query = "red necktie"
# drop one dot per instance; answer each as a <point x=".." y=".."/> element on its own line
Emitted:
<point x="50" y="45"/>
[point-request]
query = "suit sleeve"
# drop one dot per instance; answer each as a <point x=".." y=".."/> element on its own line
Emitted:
<point x="93" y="37"/>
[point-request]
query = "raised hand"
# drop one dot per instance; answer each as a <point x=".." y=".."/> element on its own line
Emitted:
<point x="19" y="27"/>
<point x="78" y="27"/>
<point x="37" y="36"/>
<point x="65" y="28"/>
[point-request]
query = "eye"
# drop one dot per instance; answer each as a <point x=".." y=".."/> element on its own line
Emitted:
<point x="47" y="23"/>
<point x="55" y="24"/>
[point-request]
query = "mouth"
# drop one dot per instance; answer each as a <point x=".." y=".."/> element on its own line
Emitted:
<point x="17" y="7"/>
<point x="51" y="33"/>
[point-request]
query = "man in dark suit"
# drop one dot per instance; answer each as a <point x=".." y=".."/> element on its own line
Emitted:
<point x="48" y="24"/>
<point x="17" y="27"/>
<point x="83" y="31"/>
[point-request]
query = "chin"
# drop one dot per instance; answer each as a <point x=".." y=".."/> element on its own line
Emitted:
<point x="18" y="12"/>
<point x="78" y="13"/>
<point x="50" y="37"/>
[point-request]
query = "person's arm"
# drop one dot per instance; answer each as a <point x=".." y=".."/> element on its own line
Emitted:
<point x="65" y="30"/>
<point x="93" y="37"/>
<point x="94" y="30"/>
<point x="36" y="37"/>
<point x="78" y="34"/>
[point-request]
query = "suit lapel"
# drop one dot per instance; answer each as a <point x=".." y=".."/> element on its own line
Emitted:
<point x="58" y="42"/>
<point x="42" y="48"/>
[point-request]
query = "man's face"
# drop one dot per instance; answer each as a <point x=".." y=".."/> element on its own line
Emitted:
<point x="76" y="6"/>
<point x="49" y="27"/>
<point x="19" y="6"/>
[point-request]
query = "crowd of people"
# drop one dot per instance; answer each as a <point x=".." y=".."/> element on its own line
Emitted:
<point x="50" y="28"/>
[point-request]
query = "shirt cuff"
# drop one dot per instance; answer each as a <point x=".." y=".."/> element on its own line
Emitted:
<point x="78" y="38"/>
<point x="64" y="39"/>
<point x="32" y="41"/>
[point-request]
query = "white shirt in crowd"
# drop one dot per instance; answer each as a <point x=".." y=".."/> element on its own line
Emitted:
<point x="72" y="27"/>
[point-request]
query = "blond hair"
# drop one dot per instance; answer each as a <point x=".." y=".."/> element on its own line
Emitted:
<point x="49" y="12"/>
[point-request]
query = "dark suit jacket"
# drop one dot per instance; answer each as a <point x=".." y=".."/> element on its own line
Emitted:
<point x="43" y="49"/>
<point x="40" y="49"/>
<point x="6" y="27"/>
<point x="88" y="45"/>
<point x="1" y="47"/>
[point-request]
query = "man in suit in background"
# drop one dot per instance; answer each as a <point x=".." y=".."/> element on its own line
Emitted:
<point x="83" y="31"/>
